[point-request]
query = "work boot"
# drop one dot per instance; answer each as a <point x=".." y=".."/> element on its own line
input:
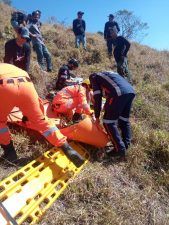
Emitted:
<point x="120" y="154"/>
<point x="9" y="152"/>
<point x="76" y="117"/>
<point x="72" y="155"/>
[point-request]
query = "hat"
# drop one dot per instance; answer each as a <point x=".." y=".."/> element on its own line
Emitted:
<point x="111" y="15"/>
<point x="80" y="13"/>
<point x="86" y="81"/>
<point x="24" y="32"/>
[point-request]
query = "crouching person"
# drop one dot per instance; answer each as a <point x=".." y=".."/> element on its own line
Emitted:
<point x="70" y="99"/>
<point x="119" y="95"/>
<point x="65" y="76"/>
<point x="16" y="89"/>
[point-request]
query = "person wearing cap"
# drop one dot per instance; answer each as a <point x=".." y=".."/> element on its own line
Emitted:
<point x="65" y="77"/>
<point x="17" y="89"/>
<point x="119" y="96"/>
<point x="79" y="27"/>
<point x="110" y="26"/>
<point x="18" y="50"/>
<point x="29" y="19"/>
<point x="43" y="55"/>
<point x="121" y="48"/>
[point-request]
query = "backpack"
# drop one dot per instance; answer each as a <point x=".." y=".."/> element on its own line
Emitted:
<point x="18" y="17"/>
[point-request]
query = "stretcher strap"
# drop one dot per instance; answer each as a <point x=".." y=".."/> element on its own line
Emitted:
<point x="8" y="215"/>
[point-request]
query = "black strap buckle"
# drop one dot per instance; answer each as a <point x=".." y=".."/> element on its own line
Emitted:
<point x="28" y="79"/>
<point x="21" y="80"/>
<point x="10" y="81"/>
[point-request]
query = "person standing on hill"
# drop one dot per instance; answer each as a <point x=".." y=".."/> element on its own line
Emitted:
<point x="121" y="49"/>
<point x="41" y="50"/>
<point x="119" y="95"/>
<point x="110" y="26"/>
<point x="29" y="18"/>
<point x="17" y="89"/>
<point x="79" y="27"/>
<point x="18" y="50"/>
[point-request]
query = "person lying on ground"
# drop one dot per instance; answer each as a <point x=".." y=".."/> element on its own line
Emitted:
<point x="71" y="101"/>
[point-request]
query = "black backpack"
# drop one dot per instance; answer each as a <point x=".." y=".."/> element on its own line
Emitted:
<point x="19" y="17"/>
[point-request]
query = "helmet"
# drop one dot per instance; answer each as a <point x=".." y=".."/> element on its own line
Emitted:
<point x="86" y="81"/>
<point x="74" y="62"/>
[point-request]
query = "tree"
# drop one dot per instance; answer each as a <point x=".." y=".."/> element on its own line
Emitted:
<point x="131" y="27"/>
<point x="100" y="33"/>
<point x="7" y="2"/>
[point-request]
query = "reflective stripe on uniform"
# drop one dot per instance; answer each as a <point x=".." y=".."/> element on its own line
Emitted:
<point x="109" y="121"/>
<point x="123" y="118"/>
<point x="116" y="87"/>
<point x="50" y="131"/>
<point x="65" y="91"/>
<point x="3" y="130"/>
<point x="69" y="103"/>
<point x="97" y="92"/>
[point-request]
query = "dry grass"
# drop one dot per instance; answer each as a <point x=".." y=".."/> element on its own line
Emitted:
<point x="135" y="192"/>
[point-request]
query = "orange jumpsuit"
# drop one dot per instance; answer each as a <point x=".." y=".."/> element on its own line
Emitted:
<point x="16" y="89"/>
<point x="71" y="98"/>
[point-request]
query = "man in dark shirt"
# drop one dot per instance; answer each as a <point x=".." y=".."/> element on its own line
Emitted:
<point x="119" y="95"/>
<point x="18" y="50"/>
<point x="121" y="49"/>
<point x="65" y="77"/>
<point x="79" y="27"/>
<point x="110" y="26"/>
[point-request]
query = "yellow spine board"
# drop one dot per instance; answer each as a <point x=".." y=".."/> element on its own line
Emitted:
<point x="30" y="191"/>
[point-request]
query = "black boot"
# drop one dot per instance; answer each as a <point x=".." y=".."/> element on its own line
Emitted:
<point x="72" y="155"/>
<point x="76" y="117"/>
<point x="120" y="154"/>
<point x="9" y="152"/>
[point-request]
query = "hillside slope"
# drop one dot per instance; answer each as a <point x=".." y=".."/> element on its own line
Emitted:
<point x="136" y="192"/>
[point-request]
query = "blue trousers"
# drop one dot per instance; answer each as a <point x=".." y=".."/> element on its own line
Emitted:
<point x="117" y="113"/>
<point x="43" y="56"/>
<point x="80" y="39"/>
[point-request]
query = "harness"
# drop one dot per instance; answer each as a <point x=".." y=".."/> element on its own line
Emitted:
<point x="14" y="79"/>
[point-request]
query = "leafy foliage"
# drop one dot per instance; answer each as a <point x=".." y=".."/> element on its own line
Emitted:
<point x="131" y="26"/>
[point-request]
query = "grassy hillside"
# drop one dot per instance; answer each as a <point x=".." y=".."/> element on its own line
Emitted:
<point x="136" y="192"/>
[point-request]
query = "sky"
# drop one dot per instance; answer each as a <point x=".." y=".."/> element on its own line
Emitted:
<point x="153" y="12"/>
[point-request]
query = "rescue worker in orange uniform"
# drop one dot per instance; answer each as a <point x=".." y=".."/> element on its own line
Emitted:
<point x="16" y="89"/>
<point x="72" y="98"/>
